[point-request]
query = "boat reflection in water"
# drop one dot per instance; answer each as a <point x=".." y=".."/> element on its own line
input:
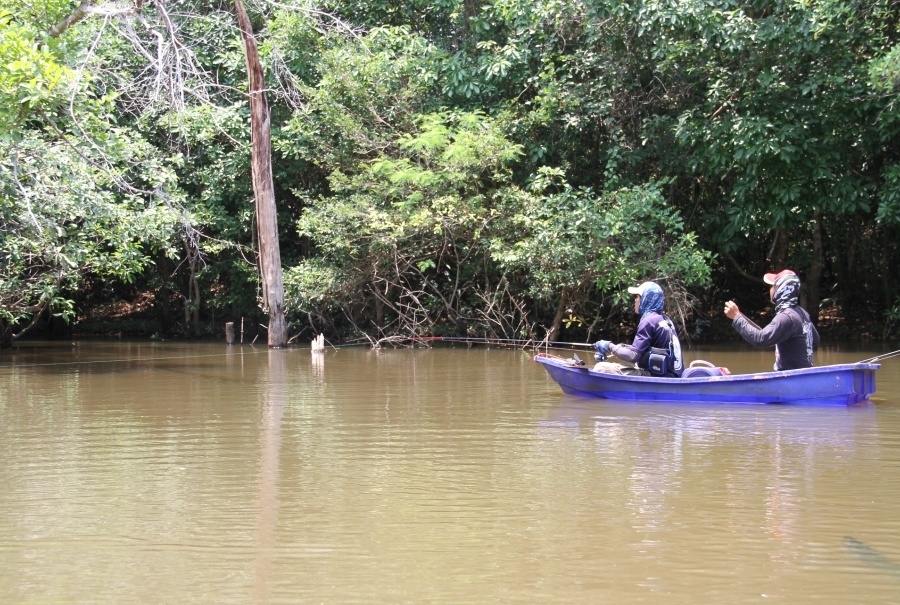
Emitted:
<point x="729" y="479"/>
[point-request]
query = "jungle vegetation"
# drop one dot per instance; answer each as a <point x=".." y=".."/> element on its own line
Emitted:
<point x="490" y="167"/>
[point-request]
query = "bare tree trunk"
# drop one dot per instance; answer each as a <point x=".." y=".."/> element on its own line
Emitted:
<point x="470" y="11"/>
<point x="194" y="289"/>
<point x="263" y="188"/>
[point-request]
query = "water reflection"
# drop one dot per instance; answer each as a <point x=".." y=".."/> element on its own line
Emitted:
<point x="318" y="365"/>
<point x="753" y="473"/>
<point x="274" y="398"/>
<point x="236" y="475"/>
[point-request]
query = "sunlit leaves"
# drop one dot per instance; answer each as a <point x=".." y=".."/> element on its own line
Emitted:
<point x="31" y="77"/>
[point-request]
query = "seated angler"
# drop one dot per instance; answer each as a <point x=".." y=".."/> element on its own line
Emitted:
<point x="655" y="350"/>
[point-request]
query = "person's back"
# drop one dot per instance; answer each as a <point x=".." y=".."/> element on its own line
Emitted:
<point x="656" y="336"/>
<point x="796" y="351"/>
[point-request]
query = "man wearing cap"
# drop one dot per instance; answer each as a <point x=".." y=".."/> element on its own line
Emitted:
<point x="656" y="350"/>
<point x="791" y="330"/>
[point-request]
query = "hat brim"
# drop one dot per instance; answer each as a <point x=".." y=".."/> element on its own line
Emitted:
<point x="634" y="290"/>
<point x="772" y="278"/>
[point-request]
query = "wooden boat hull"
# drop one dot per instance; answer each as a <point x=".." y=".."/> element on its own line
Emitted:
<point x="834" y="384"/>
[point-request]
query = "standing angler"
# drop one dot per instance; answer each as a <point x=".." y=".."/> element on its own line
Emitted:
<point x="791" y="330"/>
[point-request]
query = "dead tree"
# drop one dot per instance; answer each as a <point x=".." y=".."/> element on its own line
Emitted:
<point x="263" y="187"/>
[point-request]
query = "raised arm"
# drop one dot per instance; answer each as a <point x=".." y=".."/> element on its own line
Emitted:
<point x="774" y="333"/>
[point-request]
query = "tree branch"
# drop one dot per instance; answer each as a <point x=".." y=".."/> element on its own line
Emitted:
<point x="740" y="269"/>
<point x="86" y="8"/>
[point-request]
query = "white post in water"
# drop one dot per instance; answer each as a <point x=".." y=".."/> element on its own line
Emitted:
<point x="229" y="332"/>
<point x="317" y="344"/>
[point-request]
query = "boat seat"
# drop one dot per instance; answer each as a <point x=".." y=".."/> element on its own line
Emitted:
<point x="701" y="368"/>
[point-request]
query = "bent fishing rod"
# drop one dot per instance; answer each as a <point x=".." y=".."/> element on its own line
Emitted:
<point x="881" y="357"/>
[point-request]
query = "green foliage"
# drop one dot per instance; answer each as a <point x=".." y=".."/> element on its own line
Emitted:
<point x="889" y="206"/>
<point x="31" y="77"/>
<point x="369" y="90"/>
<point x="433" y="158"/>
<point x="81" y="197"/>
<point x="765" y="119"/>
<point x="575" y="240"/>
<point x="417" y="221"/>
<point x="60" y="222"/>
<point x="315" y="285"/>
<point x="403" y="213"/>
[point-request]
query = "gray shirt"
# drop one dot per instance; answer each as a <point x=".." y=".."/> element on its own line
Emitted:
<point x="791" y="331"/>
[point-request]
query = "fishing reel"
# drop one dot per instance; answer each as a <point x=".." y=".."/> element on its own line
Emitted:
<point x="601" y="350"/>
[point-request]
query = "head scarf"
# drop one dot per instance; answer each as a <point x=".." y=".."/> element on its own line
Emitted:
<point x="787" y="292"/>
<point x="652" y="298"/>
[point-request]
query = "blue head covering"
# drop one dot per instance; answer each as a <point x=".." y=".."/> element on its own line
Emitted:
<point x="652" y="297"/>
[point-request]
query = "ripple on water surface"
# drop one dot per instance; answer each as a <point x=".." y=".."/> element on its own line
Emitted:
<point x="196" y="475"/>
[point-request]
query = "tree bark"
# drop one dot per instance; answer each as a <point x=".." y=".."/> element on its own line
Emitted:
<point x="263" y="187"/>
<point x="5" y="335"/>
<point x="557" y="317"/>
<point x="814" y="274"/>
<point x="71" y="19"/>
<point x="87" y="8"/>
<point x="777" y="256"/>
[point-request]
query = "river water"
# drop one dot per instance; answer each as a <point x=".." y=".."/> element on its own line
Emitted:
<point x="186" y="473"/>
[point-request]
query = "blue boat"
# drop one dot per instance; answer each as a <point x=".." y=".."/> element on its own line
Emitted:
<point x="835" y="384"/>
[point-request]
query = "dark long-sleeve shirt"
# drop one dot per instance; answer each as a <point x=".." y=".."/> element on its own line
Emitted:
<point x="649" y="334"/>
<point x="792" y="333"/>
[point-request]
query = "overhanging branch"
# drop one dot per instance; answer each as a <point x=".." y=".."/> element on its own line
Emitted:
<point x="86" y="8"/>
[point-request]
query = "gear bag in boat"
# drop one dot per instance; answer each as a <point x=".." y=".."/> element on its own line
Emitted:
<point x="666" y="362"/>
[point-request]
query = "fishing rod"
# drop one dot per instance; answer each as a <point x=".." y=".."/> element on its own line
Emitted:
<point x="524" y="342"/>
<point x="882" y="356"/>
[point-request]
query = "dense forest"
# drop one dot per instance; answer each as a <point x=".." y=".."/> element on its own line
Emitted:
<point x="462" y="167"/>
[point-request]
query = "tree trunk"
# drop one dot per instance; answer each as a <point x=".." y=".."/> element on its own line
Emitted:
<point x="71" y="19"/>
<point x="470" y="11"/>
<point x="379" y="312"/>
<point x="777" y="256"/>
<point x="5" y="335"/>
<point x="557" y="317"/>
<point x="263" y="188"/>
<point x="814" y="274"/>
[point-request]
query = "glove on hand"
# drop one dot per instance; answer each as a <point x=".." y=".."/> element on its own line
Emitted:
<point x="602" y="347"/>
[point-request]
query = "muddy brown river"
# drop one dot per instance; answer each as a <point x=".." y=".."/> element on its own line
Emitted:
<point x="198" y="473"/>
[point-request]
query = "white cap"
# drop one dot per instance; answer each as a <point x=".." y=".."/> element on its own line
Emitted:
<point x="639" y="289"/>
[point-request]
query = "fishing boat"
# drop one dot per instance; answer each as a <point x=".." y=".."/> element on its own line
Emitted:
<point x="834" y="384"/>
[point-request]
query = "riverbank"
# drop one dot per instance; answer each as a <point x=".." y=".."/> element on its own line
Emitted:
<point x="139" y="319"/>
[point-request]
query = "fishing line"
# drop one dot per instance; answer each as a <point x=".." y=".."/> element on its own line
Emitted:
<point x="128" y="360"/>
<point x="525" y="343"/>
